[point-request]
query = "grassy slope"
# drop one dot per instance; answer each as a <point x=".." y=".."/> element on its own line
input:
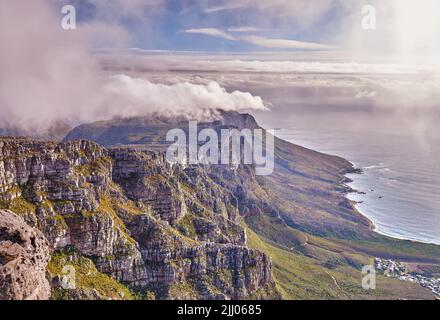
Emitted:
<point x="321" y="242"/>
<point x="301" y="277"/>
<point x="313" y="266"/>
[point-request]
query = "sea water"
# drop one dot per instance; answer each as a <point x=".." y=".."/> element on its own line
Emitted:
<point x="399" y="188"/>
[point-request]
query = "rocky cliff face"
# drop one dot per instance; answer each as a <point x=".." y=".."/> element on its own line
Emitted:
<point x="24" y="253"/>
<point x="305" y="189"/>
<point x="162" y="231"/>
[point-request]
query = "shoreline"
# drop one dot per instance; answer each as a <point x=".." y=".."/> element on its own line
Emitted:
<point x="348" y="175"/>
<point x="350" y="190"/>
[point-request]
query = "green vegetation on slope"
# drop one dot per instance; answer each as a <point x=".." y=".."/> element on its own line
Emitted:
<point x="90" y="283"/>
<point x="301" y="277"/>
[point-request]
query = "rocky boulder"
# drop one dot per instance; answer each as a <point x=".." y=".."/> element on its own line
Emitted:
<point x="24" y="253"/>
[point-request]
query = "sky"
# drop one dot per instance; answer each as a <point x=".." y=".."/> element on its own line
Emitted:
<point x="403" y="27"/>
<point x="63" y="78"/>
<point x="215" y="25"/>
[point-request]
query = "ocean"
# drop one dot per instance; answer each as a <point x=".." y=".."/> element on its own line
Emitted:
<point x="399" y="188"/>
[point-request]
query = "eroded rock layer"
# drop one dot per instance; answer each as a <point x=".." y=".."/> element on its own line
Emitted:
<point x="162" y="231"/>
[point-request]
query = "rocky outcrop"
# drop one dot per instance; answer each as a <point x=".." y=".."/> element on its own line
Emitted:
<point x="24" y="253"/>
<point x="147" y="224"/>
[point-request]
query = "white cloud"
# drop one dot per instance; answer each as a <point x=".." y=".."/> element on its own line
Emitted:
<point x="127" y="96"/>
<point x="261" y="41"/>
<point x="312" y="67"/>
<point x="225" y="7"/>
<point x="298" y="62"/>
<point x="338" y="84"/>
<point x="119" y="9"/>
<point x="406" y="29"/>
<point x="286" y="44"/>
<point x="46" y="71"/>
<point x="365" y="94"/>
<point x="212" y="32"/>
<point x="305" y="12"/>
<point x="244" y="29"/>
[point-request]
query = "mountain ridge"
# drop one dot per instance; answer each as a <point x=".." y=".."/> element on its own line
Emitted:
<point x="134" y="226"/>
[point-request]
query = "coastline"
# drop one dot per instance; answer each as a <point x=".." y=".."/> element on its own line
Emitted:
<point x="359" y="187"/>
<point x="349" y="178"/>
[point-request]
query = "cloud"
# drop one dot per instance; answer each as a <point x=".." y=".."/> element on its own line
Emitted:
<point x="244" y="29"/>
<point x="304" y="82"/>
<point x="406" y="29"/>
<point x="45" y="69"/>
<point x="113" y="11"/>
<point x="127" y="96"/>
<point x="212" y="32"/>
<point x="365" y="94"/>
<point x="286" y="6"/>
<point x="262" y="41"/>
<point x="298" y="62"/>
<point x="299" y="67"/>
<point x="306" y="12"/>
<point x="286" y="44"/>
<point x="225" y="7"/>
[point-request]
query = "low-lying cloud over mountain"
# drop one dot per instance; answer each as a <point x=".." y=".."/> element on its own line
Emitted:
<point x="48" y="74"/>
<point x="133" y="96"/>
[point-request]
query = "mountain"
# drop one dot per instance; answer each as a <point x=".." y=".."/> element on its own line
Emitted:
<point x="150" y="132"/>
<point x="134" y="218"/>
<point x="300" y="176"/>
<point x="134" y="227"/>
<point x="57" y="130"/>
